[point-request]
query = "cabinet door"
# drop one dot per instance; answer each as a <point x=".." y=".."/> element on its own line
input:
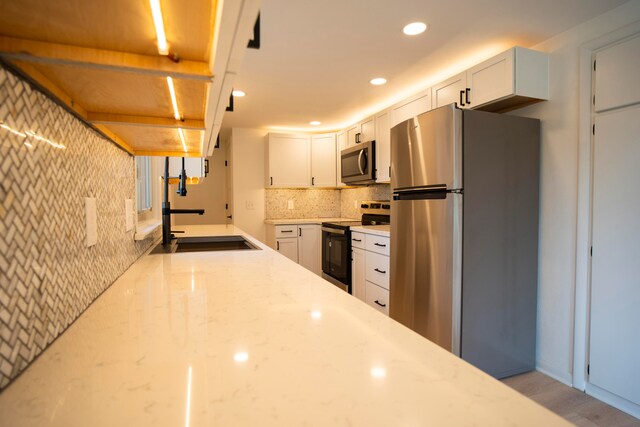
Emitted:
<point x="357" y="273"/>
<point x="288" y="248"/>
<point x="368" y="129"/>
<point x="289" y="161"/>
<point x="411" y="107"/>
<point x="383" y="147"/>
<point x="323" y="160"/>
<point x="341" y="144"/>
<point x="309" y="247"/>
<point x="352" y="135"/>
<point x="491" y="80"/>
<point x="450" y="91"/>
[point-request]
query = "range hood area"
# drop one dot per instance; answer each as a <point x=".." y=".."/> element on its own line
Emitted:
<point x="115" y="75"/>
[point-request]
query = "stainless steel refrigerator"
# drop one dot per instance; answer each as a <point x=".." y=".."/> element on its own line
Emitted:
<point x="464" y="234"/>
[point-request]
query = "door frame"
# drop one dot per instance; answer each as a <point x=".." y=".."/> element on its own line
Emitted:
<point x="584" y="220"/>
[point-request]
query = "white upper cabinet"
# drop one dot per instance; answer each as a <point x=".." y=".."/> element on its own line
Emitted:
<point x="411" y="107"/>
<point x="323" y="160"/>
<point x="450" y="91"/>
<point x="341" y="144"/>
<point x="615" y="68"/>
<point x="361" y="132"/>
<point x="383" y="146"/>
<point x="288" y="161"/>
<point x="514" y="78"/>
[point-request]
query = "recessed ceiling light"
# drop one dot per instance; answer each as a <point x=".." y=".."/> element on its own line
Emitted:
<point x="414" y="28"/>
<point x="238" y="93"/>
<point x="378" y="81"/>
<point x="314" y="123"/>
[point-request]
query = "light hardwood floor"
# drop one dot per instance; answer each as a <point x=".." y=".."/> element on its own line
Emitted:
<point x="575" y="406"/>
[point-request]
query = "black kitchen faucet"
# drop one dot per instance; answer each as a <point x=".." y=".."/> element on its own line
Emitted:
<point x="166" y="205"/>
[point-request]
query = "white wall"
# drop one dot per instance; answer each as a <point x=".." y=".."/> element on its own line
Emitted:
<point x="559" y="187"/>
<point x="247" y="168"/>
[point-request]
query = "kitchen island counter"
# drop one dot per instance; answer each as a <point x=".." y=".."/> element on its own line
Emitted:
<point x="245" y="338"/>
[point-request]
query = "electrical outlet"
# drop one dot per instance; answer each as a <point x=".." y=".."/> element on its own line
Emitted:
<point x="355" y="204"/>
<point x="290" y="204"/>
<point x="250" y="205"/>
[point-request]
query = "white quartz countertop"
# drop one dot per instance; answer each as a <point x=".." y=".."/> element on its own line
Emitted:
<point x="378" y="230"/>
<point x="249" y="338"/>
<point x="305" y="220"/>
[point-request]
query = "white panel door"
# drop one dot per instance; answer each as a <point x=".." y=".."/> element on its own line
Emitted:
<point x="352" y="135"/>
<point x="288" y="248"/>
<point x="323" y="160"/>
<point x="289" y="161"/>
<point x="357" y="273"/>
<point x="367" y="130"/>
<point x="491" y="80"/>
<point x="310" y="247"/>
<point x="383" y="147"/>
<point x="614" y="354"/>
<point x="450" y="91"/>
<point x="617" y="75"/>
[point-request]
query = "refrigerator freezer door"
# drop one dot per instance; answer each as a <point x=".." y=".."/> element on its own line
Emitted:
<point x="426" y="243"/>
<point x="426" y="151"/>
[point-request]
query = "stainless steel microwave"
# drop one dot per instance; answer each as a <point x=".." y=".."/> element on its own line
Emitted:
<point x="359" y="163"/>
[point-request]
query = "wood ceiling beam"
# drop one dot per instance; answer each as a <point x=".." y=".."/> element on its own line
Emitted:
<point x="61" y="54"/>
<point x="147" y="121"/>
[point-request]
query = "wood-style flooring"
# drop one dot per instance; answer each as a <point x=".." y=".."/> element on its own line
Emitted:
<point x="571" y="404"/>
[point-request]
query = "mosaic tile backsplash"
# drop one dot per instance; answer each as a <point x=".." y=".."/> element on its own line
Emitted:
<point x="310" y="203"/>
<point x="351" y="198"/>
<point x="47" y="275"/>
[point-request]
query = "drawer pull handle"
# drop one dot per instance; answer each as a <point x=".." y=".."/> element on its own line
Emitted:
<point x="380" y="271"/>
<point x="286" y="231"/>
<point x="357" y="240"/>
<point x="380" y="304"/>
<point x="380" y="244"/>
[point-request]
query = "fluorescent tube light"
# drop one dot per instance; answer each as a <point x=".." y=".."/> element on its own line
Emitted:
<point x="184" y="145"/>
<point x="156" y="10"/>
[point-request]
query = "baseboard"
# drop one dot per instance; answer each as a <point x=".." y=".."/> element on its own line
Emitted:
<point x="564" y="377"/>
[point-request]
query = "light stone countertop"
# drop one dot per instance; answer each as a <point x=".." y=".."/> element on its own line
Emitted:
<point x="305" y="220"/>
<point x="249" y="338"/>
<point x="378" y="230"/>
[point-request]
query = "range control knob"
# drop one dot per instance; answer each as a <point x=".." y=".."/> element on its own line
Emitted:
<point x="364" y="206"/>
<point x="375" y="205"/>
<point x="386" y="206"/>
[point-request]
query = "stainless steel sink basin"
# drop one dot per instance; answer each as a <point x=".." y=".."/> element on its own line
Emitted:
<point x="206" y="244"/>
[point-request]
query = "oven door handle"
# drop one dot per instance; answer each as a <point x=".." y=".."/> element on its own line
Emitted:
<point x="360" y="161"/>
<point x="333" y="230"/>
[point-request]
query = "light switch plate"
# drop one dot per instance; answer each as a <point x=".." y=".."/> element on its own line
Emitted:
<point x="290" y="204"/>
<point x="91" y="217"/>
<point x="128" y="214"/>
<point x="250" y="205"/>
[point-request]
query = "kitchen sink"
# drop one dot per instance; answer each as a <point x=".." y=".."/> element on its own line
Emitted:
<point x="206" y="244"/>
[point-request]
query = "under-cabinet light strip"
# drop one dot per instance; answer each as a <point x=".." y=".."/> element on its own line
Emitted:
<point x="184" y="145"/>
<point x="156" y="10"/>
<point x="174" y="101"/>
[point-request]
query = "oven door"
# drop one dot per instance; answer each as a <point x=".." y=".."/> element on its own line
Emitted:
<point x="336" y="257"/>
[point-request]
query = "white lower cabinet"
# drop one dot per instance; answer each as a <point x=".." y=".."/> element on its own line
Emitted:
<point x="357" y="273"/>
<point x="377" y="297"/>
<point x="309" y="247"/>
<point x="370" y="270"/>
<point x="288" y="247"/>
<point x="300" y="243"/>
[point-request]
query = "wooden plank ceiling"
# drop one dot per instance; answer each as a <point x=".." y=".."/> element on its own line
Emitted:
<point x="100" y="58"/>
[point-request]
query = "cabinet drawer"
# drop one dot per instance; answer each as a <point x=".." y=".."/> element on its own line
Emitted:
<point x="377" y="297"/>
<point x="357" y="240"/>
<point x="379" y="244"/>
<point x="377" y="269"/>
<point x="286" y="231"/>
